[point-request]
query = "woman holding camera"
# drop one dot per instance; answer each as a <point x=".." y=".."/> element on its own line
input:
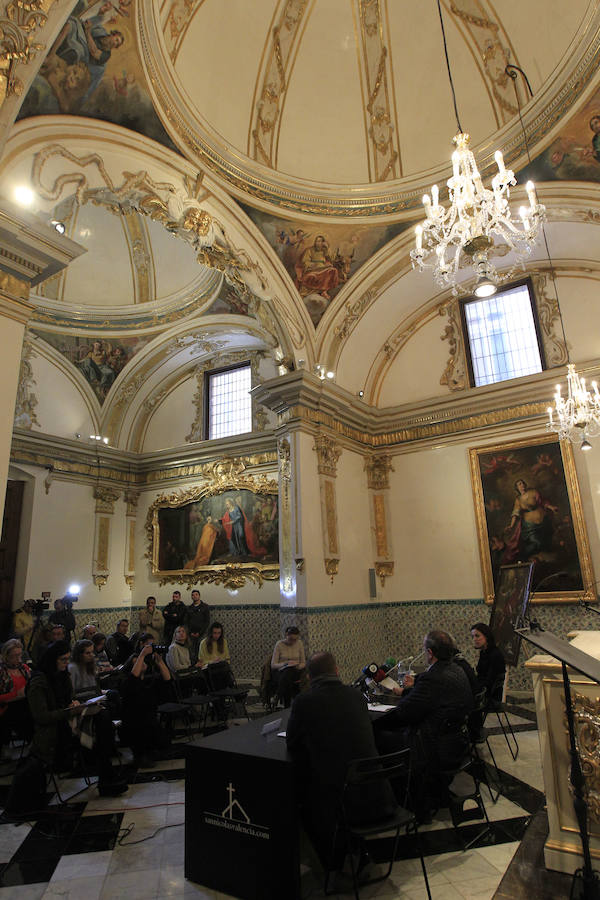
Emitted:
<point x="141" y="692"/>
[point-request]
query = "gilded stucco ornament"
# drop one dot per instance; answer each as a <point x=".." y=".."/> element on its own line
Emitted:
<point x="18" y="24"/>
<point x="384" y="570"/>
<point x="378" y="468"/>
<point x="455" y="372"/>
<point x="26" y="401"/>
<point x="105" y="498"/>
<point x="586" y="712"/>
<point x="328" y="452"/>
<point x="179" y="210"/>
<point x="332" y="567"/>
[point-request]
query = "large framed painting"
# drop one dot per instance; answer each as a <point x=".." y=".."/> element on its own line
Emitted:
<point x="224" y="534"/>
<point x="510" y="605"/>
<point x="528" y="509"/>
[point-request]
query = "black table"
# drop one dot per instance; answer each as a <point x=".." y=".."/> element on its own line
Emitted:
<point x="241" y="820"/>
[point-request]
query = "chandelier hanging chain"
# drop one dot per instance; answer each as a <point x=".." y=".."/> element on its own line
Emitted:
<point x="458" y="125"/>
<point x="511" y="71"/>
<point x="479" y="223"/>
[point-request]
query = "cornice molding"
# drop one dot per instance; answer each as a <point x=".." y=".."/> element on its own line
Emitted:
<point x="30" y="250"/>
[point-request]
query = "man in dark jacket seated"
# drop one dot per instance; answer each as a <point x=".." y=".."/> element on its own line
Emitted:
<point x="429" y="718"/>
<point x="329" y="726"/>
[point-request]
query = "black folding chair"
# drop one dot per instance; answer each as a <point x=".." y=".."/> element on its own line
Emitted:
<point x="223" y="691"/>
<point x="370" y="771"/>
<point x="496" y="705"/>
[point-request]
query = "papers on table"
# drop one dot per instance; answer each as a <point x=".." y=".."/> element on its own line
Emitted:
<point x="380" y="707"/>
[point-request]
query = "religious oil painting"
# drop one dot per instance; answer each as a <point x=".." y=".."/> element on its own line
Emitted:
<point x="205" y="534"/>
<point x="574" y="154"/>
<point x="528" y="510"/>
<point x="510" y="604"/>
<point x="100" y="360"/>
<point x="320" y="259"/>
<point x="94" y="69"/>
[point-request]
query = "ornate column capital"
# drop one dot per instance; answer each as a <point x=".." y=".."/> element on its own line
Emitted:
<point x="378" y="468"/>
<point x="131" y="498"/>
<point x="105" y="499"/>
<point x="328" y="452"/>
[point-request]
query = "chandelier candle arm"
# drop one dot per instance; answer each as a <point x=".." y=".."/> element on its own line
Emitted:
<point x="477" y="215"/>
<point x="577" y="415"/>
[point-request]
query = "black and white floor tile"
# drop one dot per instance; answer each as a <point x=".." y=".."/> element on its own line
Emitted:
<point x="133" y="845"/>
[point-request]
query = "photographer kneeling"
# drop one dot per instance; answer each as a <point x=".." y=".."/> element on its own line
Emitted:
<point x="50" y="697"/>
<point x="141" y="695"/>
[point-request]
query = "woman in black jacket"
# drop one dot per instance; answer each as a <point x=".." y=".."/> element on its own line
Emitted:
<point x="491" y="666"/>
<point x="50" y="698"/>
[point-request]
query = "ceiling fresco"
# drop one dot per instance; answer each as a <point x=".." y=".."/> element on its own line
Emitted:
<point x="100" y="360"/>
<point x="575" y="154"/>
<point x="319" y="258"/>
<point x="94" y="69"/>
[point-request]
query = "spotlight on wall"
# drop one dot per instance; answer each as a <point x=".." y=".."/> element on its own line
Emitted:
<point x="361" y="394"/>
<point x="58" y="226"/>
<point x="98" y="437"/>
<point x="73" y="590"/>
<point x="24" y="195"/>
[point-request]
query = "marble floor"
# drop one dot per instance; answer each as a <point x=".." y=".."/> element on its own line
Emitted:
<point x="133" y="845"/>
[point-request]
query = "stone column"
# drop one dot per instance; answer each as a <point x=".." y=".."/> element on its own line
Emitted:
<point x="378" y="468"/>
<point x="15" y="312"/>
<point x="105" y="506"/>
<point x="328" y="452"/>
<point x="30" y="252"/>
<point x="131" y="499"/>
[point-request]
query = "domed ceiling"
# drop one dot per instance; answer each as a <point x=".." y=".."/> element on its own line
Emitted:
<point x="308" y="101"/>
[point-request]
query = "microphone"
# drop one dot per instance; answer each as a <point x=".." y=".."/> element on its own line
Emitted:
<point x="389" y="664"/>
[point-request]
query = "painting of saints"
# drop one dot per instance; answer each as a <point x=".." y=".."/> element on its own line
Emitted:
<point x="239" y="532"/>
<point x="206" y="544"/>
<point x="315" y="271"/>
<point x="87" y="42"/>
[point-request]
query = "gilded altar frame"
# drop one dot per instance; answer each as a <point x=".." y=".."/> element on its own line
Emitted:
<point x="548" y="467"/>
<point x="232" y="573"/>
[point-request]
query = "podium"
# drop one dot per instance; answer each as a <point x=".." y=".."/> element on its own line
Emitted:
<point x="563" y="849"/>
<point x="241" y="820"/>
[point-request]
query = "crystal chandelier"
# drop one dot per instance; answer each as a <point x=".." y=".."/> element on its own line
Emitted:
<point x="449" y="237"/>
<point x="476" y="213"/>
<point x="576" y="417"/>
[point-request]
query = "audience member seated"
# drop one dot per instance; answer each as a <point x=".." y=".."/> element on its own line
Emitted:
<point x="24" y="623"/>
<point x="214" y="647"/>
<point x="118" y="646"/>
<point x="88" y="632"/>
<point x="142" y="690"/>
<point x="174" y="614"/>
<point x="329" y="726"/>
<point x="50" y="697"/>
<point x="151" y="620"/>
<point x="180" y="664"/>
<point x="490" y="665"/>
<point x="287" y="664"/>
<point x="430" y="719"/>
<point x="14" y="675"/>
<point x="63" y="615"/>
<point x="103" y="664"/>
<point x="197" y="619"/>
<point x="82" y="670"/>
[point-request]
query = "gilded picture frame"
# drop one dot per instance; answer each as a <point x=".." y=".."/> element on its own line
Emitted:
<point x="221" y="533"/>
<point x="528" y="509"/>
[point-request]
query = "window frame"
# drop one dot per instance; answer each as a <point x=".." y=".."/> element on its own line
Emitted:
<point x="247" y="364"/>
<point x="463" y="302"/>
